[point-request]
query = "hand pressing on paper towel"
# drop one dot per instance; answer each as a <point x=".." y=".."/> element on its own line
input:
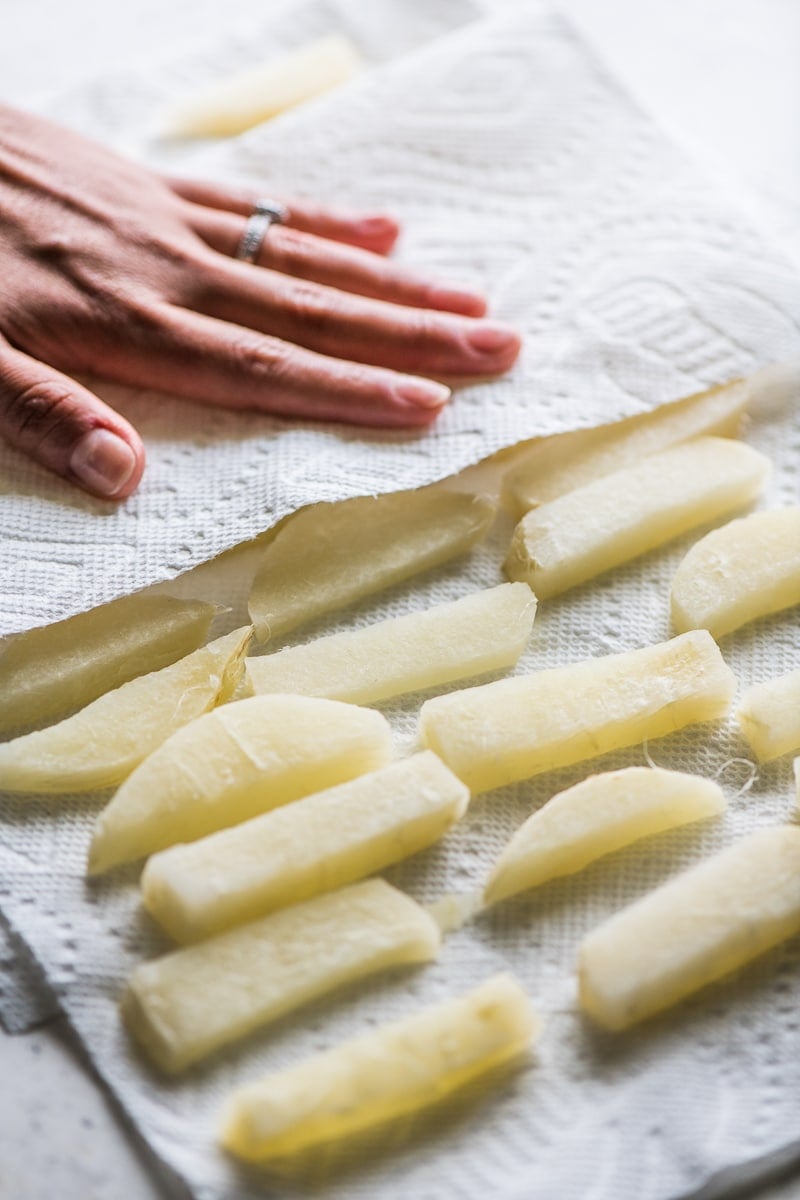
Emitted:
<point x="110" y="270"/>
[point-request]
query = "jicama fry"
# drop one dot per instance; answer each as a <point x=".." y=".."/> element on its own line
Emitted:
<point x="60" y="668"/>
<point x="254" y="95"/>
<point x="482" y="632"/>
<point x="187" y="1004"/>
<point x="633" y="510"/>
<point x="232" y="764"/>
<point x="595" y="817"/>
<point x="329" y="555"/>
<point x="514" y="728"/>
<point x="559" y="464"/>
<point x="693" y="930"/>
<point x="746" y="569"/>
<point x="100" y="745"/>
<point x="391" y="1071"/>
<point x="769" y="715"/>
<point x="321" y="842"/>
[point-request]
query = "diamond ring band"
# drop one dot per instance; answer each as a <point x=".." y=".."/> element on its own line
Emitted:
<point x="265" y="213"/>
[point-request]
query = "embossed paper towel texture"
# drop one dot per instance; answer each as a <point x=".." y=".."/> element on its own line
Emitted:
<point x="25" y="999"/>
<point x="646" y="1116"/>
<point x="517" y="164"/>
<point x="123" y="111"/>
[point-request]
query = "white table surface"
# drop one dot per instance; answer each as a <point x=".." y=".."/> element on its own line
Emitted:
<point x="720" y="75"/>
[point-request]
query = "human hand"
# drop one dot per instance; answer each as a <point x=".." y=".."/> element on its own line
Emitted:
<point x="111" y="270"/>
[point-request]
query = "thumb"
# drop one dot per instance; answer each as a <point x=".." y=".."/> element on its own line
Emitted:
<point x="66" y="428"/>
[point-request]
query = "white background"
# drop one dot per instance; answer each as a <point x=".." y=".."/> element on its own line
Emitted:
<point x="720" y="75"/>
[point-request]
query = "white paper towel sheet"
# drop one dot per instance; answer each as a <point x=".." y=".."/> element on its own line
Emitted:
<point x="648" y="1116"/>
<point x="518" y="165"/>
<point x="25" y="998"/>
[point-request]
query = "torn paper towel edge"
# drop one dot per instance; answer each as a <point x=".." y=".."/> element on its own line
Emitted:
<point x="120" y="109"/>
<point x="606" y="335"/>
<point x="25" y="999"/>
<point x="527" y="1193"/>
<point x="605" y="1115"/>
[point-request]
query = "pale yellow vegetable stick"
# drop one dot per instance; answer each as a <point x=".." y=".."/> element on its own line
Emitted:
<point x="633" y="510"/>
<point x="259" y="93"/>
<point x="233" y="763"/>
<point x="746" y="569"/>
<point x="595" y="817"/>
<point x="514" y="728"/>
<point x="694" y="929"/>
<point x="482" y="632"/>
<point x="559" y="464"/>
<point x="100" y="745"/>
<point x="389" y="1072"/>
<point x="769" y="715"/>
<point x="187" y="1004"/>
<point x="49" y="672"/>
<point x="318" y="843"/>
<point x="330" y="555"/>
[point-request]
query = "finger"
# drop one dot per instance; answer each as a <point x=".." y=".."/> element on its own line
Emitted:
<point x="320" y="260"/>
<point x="63" y="427"/>
<point x="337" y="323"/>
<point x="213" y="362"/>
<point x="373" y="231"/>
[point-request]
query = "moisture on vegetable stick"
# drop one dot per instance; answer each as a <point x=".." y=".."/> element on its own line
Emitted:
<point x="694" y="929"/>
<point x="514" y="728"/>
<point x="60" y="668"/>
<point x="559" y="464"/>
<point x="258" y="93"/>
<point x="746" y="569"/>
<point x="595" y="817"/>
<point x="389" y="1072"/>
<point x="329" y="555"/>
<point x="232" y="764"/>
<point x="769" y="715"/>
<point x="315" y="844"/>
<point x="100" y="745"/>
<point x="187" y="1004"/>
<point x="633" y="510"/>
<point x="482" y="632"/>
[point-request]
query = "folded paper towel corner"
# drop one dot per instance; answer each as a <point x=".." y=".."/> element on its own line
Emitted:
<point x="631" y="280"/>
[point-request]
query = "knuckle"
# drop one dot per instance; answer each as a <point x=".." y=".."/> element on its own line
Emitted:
<point x="320" y="310"/>
<point x="425" y="328"/>
<point x="423" y="336"/>
<point x="294" y="247"/>
<point x="61" y="249"/>
<point x="45" y="411"/>
<point x="261" y="357"/>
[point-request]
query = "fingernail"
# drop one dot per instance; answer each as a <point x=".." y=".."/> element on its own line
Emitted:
<point x="103" y="461"/>
<point x="471" y="304"/>
<point x="489" y="338"/>
<point x="424" y="393"/>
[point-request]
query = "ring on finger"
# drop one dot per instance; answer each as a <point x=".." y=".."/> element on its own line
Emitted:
<point x="265" y="213"/>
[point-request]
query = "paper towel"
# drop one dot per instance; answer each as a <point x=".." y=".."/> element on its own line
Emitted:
<point x="645" y="1116"/>
<point x="648" y="1116"/>
<point x="124" y="110"/>
<point x="25" y="999"/>
<point x="517" y="165"/>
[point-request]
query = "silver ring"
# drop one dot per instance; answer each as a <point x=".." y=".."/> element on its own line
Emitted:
<point x="265" y="213"/>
